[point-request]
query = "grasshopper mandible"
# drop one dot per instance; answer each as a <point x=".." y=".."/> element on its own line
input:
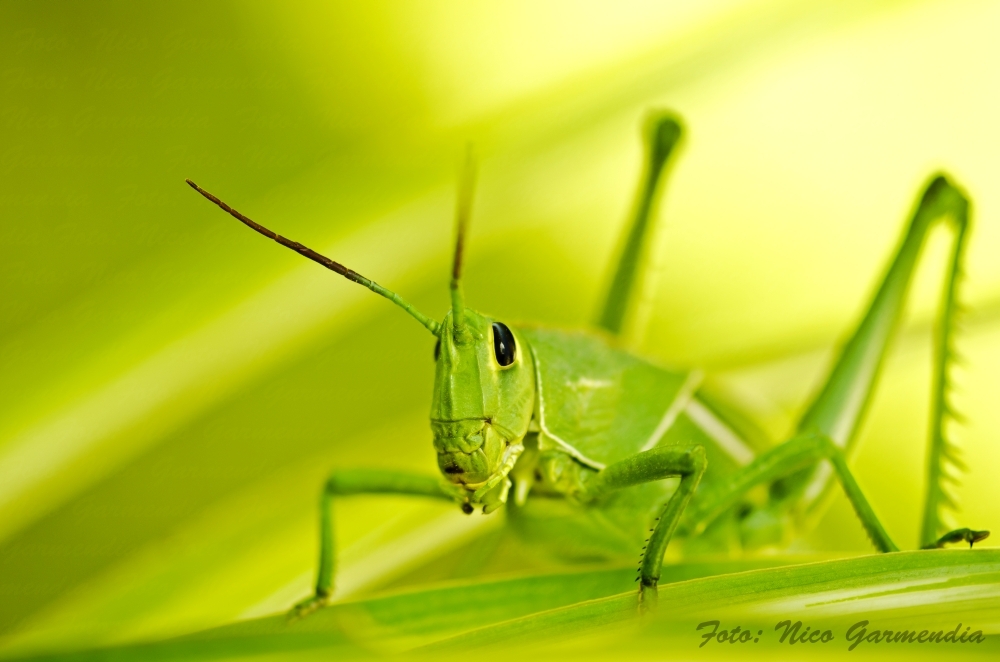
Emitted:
<point x="630" y="453"/>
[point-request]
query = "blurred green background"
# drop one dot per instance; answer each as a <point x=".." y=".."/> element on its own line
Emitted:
<point x="175" y="388"/>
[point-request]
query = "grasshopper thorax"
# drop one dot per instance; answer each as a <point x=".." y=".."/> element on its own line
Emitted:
<point x="484" y="395"/>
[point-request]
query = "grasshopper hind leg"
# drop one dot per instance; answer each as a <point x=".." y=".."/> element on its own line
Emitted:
<point x="839" y="407"/>
<point x="620" y="311"/>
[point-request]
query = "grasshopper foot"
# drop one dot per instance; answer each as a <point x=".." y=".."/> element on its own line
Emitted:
<point x="648" y="597"/>
<point x="959" y="535"/>
<point x="307" y="606"/>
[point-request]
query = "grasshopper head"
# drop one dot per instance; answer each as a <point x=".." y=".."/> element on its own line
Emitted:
<point x="484" y="394"/>
<point x="484" y="389"/>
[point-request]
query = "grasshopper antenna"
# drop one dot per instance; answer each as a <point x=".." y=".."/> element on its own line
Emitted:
<point x="304" y="251"/>
<point x="463" y="211"/>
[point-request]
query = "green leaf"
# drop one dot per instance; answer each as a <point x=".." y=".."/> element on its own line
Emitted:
<point x="900" y="590"/>
<point x="929" y="590"/>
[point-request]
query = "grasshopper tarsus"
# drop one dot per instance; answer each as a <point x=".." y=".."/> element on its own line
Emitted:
<point x="970" y="536"/>
<point x="306" y="607"/>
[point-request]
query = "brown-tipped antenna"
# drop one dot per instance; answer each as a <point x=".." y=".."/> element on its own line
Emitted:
<point x="463" y="211"/>
<point x="305" y="251"/>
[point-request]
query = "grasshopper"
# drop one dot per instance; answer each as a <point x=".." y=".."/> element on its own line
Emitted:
<point x="619" y="455"/>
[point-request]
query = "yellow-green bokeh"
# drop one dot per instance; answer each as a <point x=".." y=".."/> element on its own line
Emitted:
<point x="175" y="388"/>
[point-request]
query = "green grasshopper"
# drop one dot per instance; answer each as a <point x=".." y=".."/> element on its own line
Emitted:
<point x="618" y="454"/>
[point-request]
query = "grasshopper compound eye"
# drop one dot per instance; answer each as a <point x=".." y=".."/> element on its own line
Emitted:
<point x="503" y="344"/>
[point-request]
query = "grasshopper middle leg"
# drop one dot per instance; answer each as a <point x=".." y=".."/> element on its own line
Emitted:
<point x="790" y="457"/>
<point x="805" y="450"/>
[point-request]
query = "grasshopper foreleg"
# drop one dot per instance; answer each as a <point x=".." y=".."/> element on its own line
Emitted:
<point x="688" y="462"/>
<point x="357" y="481"/>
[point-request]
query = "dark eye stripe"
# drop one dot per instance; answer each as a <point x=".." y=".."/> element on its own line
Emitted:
<point x="503" y="344"/>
